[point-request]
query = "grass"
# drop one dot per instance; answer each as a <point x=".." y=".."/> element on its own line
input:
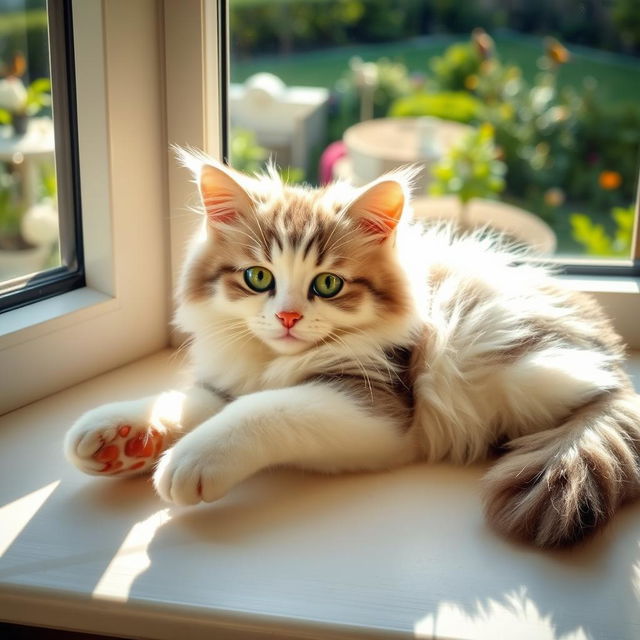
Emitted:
<point x="618" y="76"/>
<point x="20" y="21"/>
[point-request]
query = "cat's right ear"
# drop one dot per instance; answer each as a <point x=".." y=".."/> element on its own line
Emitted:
<point x="223" y="197"/>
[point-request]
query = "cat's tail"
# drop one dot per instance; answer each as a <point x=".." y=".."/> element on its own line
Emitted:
<point x="557" y="486"/>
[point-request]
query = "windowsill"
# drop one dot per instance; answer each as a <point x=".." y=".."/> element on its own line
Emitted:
<point x="391" y="555"/>
<point x="48" y="315"/>
<point x="602" y="284"/>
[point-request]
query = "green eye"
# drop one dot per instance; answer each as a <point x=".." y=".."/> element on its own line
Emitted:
<point x="259" y="278"/>
<point x="326" y="285"/>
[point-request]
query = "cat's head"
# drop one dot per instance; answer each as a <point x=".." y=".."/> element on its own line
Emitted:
<point x="295" y="267"/>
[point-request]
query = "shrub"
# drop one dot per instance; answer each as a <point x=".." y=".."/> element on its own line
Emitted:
<point x="246" y="154"/>
<point x="458" y="106"/>
<point x="470" y="170"/>
<point x="451" y="70"/>
<point x="597" y="242"/>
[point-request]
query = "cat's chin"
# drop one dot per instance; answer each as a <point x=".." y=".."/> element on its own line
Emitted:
<point x="289" y="345"/>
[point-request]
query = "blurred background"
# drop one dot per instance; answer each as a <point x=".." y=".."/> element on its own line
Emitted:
<point x="525" y="116"/>
<point x="29" y="239"/>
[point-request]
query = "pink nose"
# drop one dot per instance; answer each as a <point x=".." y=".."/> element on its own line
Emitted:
<point x="288" y="318"/>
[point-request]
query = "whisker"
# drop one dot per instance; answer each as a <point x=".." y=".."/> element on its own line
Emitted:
<point x="358" y="362"/>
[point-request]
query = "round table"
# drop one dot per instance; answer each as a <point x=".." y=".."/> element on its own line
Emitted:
<point x="383" y="144"/>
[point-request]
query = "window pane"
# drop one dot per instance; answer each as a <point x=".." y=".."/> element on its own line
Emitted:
<point x="524" y="115"/>
<point x="37" y="210"/>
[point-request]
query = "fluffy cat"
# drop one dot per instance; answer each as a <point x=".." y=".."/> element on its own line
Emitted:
<point x="328" y="332"/>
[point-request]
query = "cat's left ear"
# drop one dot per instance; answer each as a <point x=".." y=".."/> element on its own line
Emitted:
<point x="379" y="208"/>
<point x="222" y="196"/>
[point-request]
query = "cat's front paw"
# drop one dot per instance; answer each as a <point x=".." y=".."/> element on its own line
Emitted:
<point x="189" y="473"/>
<point x="111" y="440"/>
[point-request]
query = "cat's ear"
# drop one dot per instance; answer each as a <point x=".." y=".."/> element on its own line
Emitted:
<point x="379" y="207"/>
<point x="223" y="197"/>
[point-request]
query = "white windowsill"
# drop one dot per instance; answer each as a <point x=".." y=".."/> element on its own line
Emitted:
<point x="402" y="554"/>
<point x="54" y="313"/>
<point x="602" y="284"/>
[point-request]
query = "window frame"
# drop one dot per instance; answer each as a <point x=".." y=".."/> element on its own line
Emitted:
<point x="195" y="66"/>
<point x="122" y="312"/>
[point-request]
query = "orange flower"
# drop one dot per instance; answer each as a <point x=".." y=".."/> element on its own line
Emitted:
<point x="610" y="180"/>
<point x="556" y="51"/>
<point x="483" y="42"/>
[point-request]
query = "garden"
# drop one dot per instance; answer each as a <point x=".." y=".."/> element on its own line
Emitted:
<point x="554" y="87"/>
<point x="548" y="91"/>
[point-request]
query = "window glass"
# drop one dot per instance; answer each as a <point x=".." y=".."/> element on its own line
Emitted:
<point x="524" y="115"/>
<point x="37" y="226"/>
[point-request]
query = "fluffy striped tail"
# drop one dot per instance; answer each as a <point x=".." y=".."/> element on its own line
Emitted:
<point x="557" y="486"/>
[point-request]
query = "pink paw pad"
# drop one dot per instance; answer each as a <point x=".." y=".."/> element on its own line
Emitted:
<point x="125" y="453"/>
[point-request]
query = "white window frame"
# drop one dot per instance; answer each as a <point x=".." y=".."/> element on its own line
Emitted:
<point x="122" y="312"/>
<point x="194" y="105"/>
<point x="147" y="77"/>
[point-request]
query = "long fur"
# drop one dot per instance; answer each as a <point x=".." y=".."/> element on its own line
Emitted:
<point x="440" y="346"/>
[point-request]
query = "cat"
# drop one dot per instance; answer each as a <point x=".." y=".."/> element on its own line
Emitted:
<point x="331" y="333"/>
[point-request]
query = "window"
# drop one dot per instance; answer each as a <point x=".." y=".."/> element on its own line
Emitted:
<point x="148" y="75"/>
<point x="524" y="116"/>
<point x="40" y="222"/>
<point x="121" y="313"/>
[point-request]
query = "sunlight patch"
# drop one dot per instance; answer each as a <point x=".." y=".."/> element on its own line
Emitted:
<point x="16" y="515"/>
<point x="167" y="409"/>
<point x="516" y="617"/>
<point x="131" y="559"/>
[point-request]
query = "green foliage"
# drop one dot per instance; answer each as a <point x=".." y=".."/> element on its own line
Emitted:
<point x="246" y="154"/>
<point x="460" y="17"/>
<point x="10" y="208"/>
<point x="26" y="31"/>
<point x="392" y="82"/>
<point x="38" y="96"/>
<point x="288" y="25"/>
<point x="452" y="69"/>
<point x="48" y="183"/>
<point x="549" y="138"/>
<point x="458" y="106"/>
<point x="626" y="16"/>
<point x="291" y="175"/>
<point x="595" y="239"/>
<point x="471" y="169"/>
